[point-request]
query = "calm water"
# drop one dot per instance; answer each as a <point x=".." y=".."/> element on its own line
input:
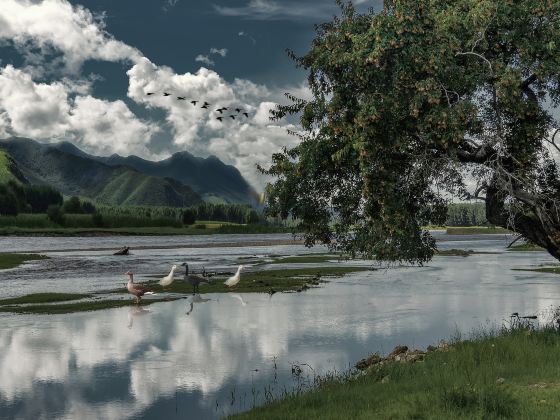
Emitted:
<point x="217" y="354"/>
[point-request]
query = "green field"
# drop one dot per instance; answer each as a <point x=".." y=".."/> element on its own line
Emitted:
<point x="506" y="375"/>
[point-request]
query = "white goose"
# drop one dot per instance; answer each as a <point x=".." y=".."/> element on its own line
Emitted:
<point x="167" y="280"/>
<point x="233" y="280"/>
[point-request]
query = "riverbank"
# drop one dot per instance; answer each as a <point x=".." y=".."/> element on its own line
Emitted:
<point x="199" y="229"/>
<point x="12" y="260"/>
<point x="506" y="374"/>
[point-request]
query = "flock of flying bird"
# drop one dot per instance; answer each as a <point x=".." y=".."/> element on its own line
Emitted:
<point x="206" y="105"/>
<point x="194" y="280"/>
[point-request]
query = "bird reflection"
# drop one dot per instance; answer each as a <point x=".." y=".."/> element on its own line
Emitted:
<point x="239" y="298"/>
<point x="196" y="299"/>
<point x="136" y="311"/>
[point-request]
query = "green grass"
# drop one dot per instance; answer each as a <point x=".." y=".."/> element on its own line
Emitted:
<point x="262" y="281"/>
<point x="305" y="259"/>
<point x="5" y="172"/>
<point x="553" y="270"/>
<point x="525" y="247"/>
<point x="454" y="252"/>
<point x="66" y="308"/>
<point x="37" y="298"/>
<point x="8" y="260"/>
<point x="476" y="230"/>
<point x="457" y="384"/>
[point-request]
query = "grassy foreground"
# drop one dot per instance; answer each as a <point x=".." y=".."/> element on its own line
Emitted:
<point x="511" y="374"/>
<point x="8" y="260"/>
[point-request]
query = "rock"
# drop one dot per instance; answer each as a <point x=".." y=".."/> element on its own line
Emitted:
<point x="414" y="356"/>
<point x="386" y="379"/>
<point x="396" y="351"/>
<point x="443" y="346"/>
<point x="500" y="381"/>
<point x="371" y="360"/>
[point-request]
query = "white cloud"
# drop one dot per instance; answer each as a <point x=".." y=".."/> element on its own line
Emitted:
<point x="272" y="10"/>
<point x="73" y="30"/>
<point x="243" y="142"/>
<point x="219" y="51"/>
<point x="204" y="59"/>
<point x="66" y="109"/>
<point x="48" y="111"/>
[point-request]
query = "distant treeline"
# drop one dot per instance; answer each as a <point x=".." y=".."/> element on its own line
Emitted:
<point x="466" y="214"/>
<point x="22" y="198"/>
<point x="30" y="206"/>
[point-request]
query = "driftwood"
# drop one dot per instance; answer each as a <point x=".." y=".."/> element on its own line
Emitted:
<point x="123" y="251"/>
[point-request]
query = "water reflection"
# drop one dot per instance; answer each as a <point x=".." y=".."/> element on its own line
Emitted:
<point x="196" y="298"/>
<point x="155" y="362"/>
<point x="136" y="311"/>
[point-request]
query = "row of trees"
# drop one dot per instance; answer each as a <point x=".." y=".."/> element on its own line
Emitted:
<point x="22" y="198"/>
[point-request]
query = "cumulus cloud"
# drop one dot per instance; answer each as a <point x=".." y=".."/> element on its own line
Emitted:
<point x="72" y="30"/>
<point x="64" y="110"/>
<point x="243" y="141"/>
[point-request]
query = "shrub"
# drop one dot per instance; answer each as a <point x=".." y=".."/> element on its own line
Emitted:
<point x="55" y="214"/>
<point x="189" y="217"/>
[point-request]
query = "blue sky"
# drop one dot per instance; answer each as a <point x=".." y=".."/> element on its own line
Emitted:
<point x="80" y="71"/>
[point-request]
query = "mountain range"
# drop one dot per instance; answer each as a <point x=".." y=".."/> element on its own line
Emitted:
<point x="181" y="180"/>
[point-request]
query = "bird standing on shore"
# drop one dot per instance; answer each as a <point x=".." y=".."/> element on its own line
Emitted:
<point x="137" y="290"/>
<point x="233" y="280"/>
<point x="167" y="280"/>
<point x="193" y="279"/>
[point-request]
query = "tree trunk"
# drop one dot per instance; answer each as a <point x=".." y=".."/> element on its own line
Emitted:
<point x="528" y="225"/>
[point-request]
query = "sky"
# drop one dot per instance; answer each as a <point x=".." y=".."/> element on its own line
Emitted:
<point x="80" y="71"/>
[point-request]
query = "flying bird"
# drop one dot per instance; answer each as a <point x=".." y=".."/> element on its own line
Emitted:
<point x="220" y="110"/>
<point x="194" y="102"/>
<point x="238" y="110"/>
<point x="232" y="117"/>
<point x="220" y="118"/>
<point x="150" y="93"/>
<point x="166" y="94"/>
<point x="137" y="290"/>
<point x="233" y="280"/>
<point x="181" y="98"/>
<point x="206" y="103"/>
<point x="246" y="114"/>
<point x="167" y="280"/>
<point x="204" y="106"/>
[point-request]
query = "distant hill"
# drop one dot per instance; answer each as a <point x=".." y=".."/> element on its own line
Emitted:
<point x="209" y="177"/>
<point x="73" y="172"/>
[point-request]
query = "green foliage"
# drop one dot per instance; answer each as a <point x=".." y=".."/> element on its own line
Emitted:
<point x="72" y="205"/>
<point x="55" y="214"/>
<point x="466" y="215"/>
<point x="189" y="217"/>
<point x="404" y="101"/>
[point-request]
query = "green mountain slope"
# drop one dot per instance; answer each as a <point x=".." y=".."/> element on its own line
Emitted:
<point x="210" y="177"/>
<point x="9" y="170"/>
<point x="74" y="174"/>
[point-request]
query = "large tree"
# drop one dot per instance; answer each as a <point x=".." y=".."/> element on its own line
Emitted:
<point x="425" y="100"/>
